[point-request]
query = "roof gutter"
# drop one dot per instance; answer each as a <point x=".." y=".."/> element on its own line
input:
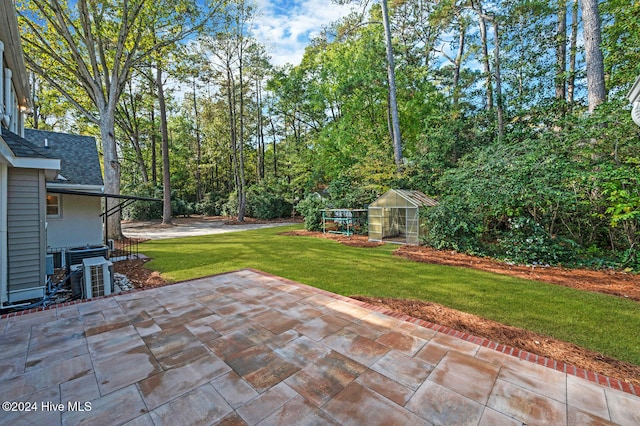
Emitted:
<point x="99" y="189"/>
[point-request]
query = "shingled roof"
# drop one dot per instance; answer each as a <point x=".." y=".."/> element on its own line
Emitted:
<point x="80" y="164"/>
<point x="21" y="147"/>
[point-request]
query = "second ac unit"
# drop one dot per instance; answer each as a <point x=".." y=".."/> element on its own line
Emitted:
<point x="97" y="277"/>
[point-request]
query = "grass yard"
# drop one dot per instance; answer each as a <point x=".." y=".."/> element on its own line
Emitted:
<point x="606" y="324"/>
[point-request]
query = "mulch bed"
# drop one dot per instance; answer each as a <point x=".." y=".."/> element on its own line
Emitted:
<point x="612" y="282"/>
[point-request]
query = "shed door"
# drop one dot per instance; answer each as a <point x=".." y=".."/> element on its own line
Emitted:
<point x="375" y="223"/>
<point x="412" y="226"/>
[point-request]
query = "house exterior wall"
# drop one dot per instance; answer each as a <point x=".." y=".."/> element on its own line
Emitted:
<point x="26" y="241"/>
<point x="4" y="259"/>
<point x="78" y="225"/>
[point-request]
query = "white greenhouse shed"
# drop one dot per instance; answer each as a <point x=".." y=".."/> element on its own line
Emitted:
<point x="395" y="216"/>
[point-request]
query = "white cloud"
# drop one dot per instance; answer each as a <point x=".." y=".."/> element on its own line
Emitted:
<point x="285" y="27"/>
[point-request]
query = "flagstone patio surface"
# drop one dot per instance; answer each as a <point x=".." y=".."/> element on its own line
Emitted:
<point x="249" y="348"/>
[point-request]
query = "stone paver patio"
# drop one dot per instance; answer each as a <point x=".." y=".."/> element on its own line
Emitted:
<point x="249" y="348"/>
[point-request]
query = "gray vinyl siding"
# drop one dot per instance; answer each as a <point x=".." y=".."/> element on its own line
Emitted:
<point x="26" y="233"/>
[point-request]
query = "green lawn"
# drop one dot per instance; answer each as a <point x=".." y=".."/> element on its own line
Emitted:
<point x="606" y="324"/>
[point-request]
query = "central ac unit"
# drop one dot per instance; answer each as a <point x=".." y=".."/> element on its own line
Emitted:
<point x="97" y="277"/>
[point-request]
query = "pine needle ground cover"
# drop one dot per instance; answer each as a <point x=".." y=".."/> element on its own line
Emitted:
<point x="602" y="323"/>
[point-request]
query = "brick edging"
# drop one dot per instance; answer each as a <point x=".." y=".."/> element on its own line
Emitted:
<point x="507" y="350"/>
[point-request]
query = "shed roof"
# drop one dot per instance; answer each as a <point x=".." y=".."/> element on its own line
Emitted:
<point x="80" y="164"/>
<point x="418" y="197"/>
<point x="411" y="197"/>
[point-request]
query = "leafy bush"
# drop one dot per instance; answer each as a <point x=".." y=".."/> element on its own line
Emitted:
<point x="451" y="225"/>
<point x="230" y="207"/>
<point x="310" y="208"/>
<point x="346" y="193"/>
<point x="265" y="201"/>
<point x="526" y="241"/>
<point x="180" y="207"/>
<point x="211" y="205"/>
<point x="268" y="206"/>
<point x="144" y="210"/>
<point x="149" y="210"/>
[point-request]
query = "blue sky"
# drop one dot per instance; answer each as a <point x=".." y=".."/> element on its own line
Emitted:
<point x="286" y="26"/>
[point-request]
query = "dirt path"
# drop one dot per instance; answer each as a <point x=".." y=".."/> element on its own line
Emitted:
<point x="193" y="226"/>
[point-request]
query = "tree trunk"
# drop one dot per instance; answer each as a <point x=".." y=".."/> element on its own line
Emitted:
<point x="198" y="145"/>
<point x="154" y="159"/>
<point x="275" y="153"/>
<point x="561" y="50"/>
<point x="496" y="67"/>
<point x="593" y="54"/>
<point x="111" y="171"/>
<point x="260" y="132"/>
<point x="458" y="64"/>
<point x="242" y="192"/>
<point x="393" y="103"/>
<point x="573" y="50"/>
<point x="485" y="53"/>
<point x="166" y="172"/>
<point x="135" y="141"/>
<point x="34" y="96"/>
<point x="232" y="131"/>
<point x="130" y="124"/>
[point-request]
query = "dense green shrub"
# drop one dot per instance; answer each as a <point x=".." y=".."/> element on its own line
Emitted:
<point x="180" y="207"/>
<point x="268" y="206"/>
<point x="452" y="225"/>
<point x="211" y="204"/>
<point x="310" y="208"/>
<point x="230" y="206"/>
<point x="345" y="193"/>
<point x="266" y="200"/>
<point x="144" y="210"/>
<point x="149" y="210"/>
<point x="526" y="241"/>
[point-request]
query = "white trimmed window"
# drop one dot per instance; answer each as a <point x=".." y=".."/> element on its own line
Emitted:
<point x="54" y="208"/>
